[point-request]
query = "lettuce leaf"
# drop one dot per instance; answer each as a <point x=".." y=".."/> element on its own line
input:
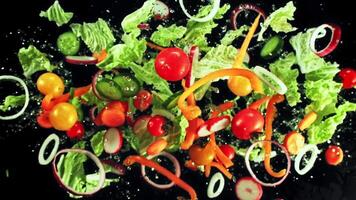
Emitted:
<point x="323" y="131"/>
<point x="32" y="60"/>
<point x="178" y="131"/>
<point x="282" y="68"/>
<point x="97" y="35"/>
<point x="138" y="142"/>
<point x="143" y="14"/>
<point x="97" y="142"/>
<point x="12" y="101"/>
<point x="232" y="35"/>
<point x="164" y="36"/>
<point x="327" y="72"/>
<point x="56" y="14"/>
<point x="197" y="31"/>
<point x="278" y="20"/>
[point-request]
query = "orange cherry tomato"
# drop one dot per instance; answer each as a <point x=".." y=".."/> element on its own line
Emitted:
<point x="202" y="156"/>
<point x="63" y="116"/>
<point x="239" y="85"/>
<point x="50" y="83"/>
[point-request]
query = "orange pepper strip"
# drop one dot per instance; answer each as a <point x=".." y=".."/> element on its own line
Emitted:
<point x="188" y="141"/>
<point x="154" y="46"/>
<point x="271" y="112"/>
<point x="219" y="155"/>
<point x="191" y="98"/>
<point x="207" y="170"/>
<point x="222" y="108"/>
<point x="222" y="169"/>
<point x="101" y="55"/>
<point x="192" y="112"/>
<point x="130" y="160"/>
<point x="240" y="56"/>
<point x="257" y="104"/>
<point x="191" y="133"/>
<point x="157" y="146"/>
<point x="307" y="120"/>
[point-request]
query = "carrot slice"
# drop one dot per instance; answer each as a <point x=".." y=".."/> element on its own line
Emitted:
<point x="257" y="104"/>
<point x="222" y="169"/>
<point x="101" y="55"/>
<point x="130" y="160"/>
<point x="156" y="147"/>
<point x="308" y="120"/>
<point x="294" y="142"/>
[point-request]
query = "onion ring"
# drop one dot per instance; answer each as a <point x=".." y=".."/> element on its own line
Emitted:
<point x="248" y="165"/>
<point x="92" y="157"/>
<point x="176" y="166"/>
<point x="217" y="177"/>
<point x="27" y="97"/>
<point x="315" y="151"/>
<point x="50" y="138"/>
<point x="320" y="32"/>
<point x="94" y="81"/>
<point x="210" y="16"/>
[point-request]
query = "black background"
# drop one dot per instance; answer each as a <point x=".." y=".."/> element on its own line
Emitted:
<point x="18" y="150"/>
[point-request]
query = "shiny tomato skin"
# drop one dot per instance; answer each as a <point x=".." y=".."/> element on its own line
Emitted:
<point x="334" y="155"/>
<point x="50" y="83"/>
<point x="155" y="125"/>
<point x="63" y="116"/>
<point x="143" y="100"/>
<point x="172" y="64"/>
<point x="246" y="122"/>
<point x="201" y="156"/>
<point x="76" y="132"/>
<point x="228" y="150"/>
<point x="348" y="76"/>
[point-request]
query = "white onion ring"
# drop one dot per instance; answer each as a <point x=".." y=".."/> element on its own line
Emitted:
<point x="315" y="151"/>
<point x="27" y="97"/>
<point x="210" y="16"/>
<point x="92" y="157"/>
<point x="41" y="160"/>
<point x="176" y="166"/>
<point x="320" y="32"/>
<point x="217" y="177"/>
<point x="248" y="165"/>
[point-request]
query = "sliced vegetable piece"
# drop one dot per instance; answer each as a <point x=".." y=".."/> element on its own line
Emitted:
<point x="310" y="163"/>
<point x="112" y="117"/>
<point x="320" y="32"/>
<point x="109" y="89"/>
<point x="68" y="43"/>
<point x="129" y="84"/>
<point x="272" y="47"/>
<point x="294" y="142"/>
<point x="248" y="189"/>
<point x="53" y="137"/>
<point x="222" y="169"/>
<point x="160" y="10"/>
<point x="308" y="120"/>
<point x="216" y="178"/>
<point x="203" y="130"/>
<point x="156" y="147"/>
<point x="271" y="80"/>
<point x="228" y="150"/>
<point x="218" y="123"/>
<point x="113" y="141"/>
<point x="81" y="60"/>
<point x="210" y="16"/>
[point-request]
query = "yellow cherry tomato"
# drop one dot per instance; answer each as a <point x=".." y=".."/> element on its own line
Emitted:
<point x="63" y="116"/>
<point x="239" y="85"/>
<point x="50" y="83"/>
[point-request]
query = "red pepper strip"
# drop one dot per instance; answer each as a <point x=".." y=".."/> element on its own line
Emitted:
<point x="154" y="46"/>
<point x="219" y="155"/>
<point x="190" y="165"/>
<point x="43" y="120"/>
<point x="130" y="160"/>
<point x="257" y="104"/>
<point x="271" y="112"/>
<point x="48" y="105"/>
<point x="222" y="108"/>
<point x="222" y="169"/>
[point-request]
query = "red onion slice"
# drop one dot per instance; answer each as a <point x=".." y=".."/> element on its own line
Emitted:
<point x="320" y="32"/>
<point x="81" y="60"/>
<point x="242" y="8"/>
<point x="248" y="165"/>
<point x="176" y="166"/>
<point x="93" y="82"/>
<point x="53" y="137"/>
<point x="194" y="54"/>
<point x="210" y="16"/>
<point x="92" y="157"/>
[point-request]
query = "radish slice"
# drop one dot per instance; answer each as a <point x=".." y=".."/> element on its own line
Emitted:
<point x="320" y="32"/>
<point x="90" y="155"/>
<point x="218" y="123"/>
<point x="27" y="96"/>
<point x="203" y="131"/>
<point x="194" y="54"/>
<point x="248" y="165"/>
<point x="271" y="80"/>
<point x="243" y="8"/>
<point x="160" y="10"/>
<point x="140" y="125"/>
<point x="248" y="189"/>
<point x="81" y="60"/>
<point x="53" y="137"/>
<point x="216" y="178"/>
<point x="310" y="163"/>
<point x="210" y="16"/>
<point x="176" y="166"/>
<point x="113" y="141"/>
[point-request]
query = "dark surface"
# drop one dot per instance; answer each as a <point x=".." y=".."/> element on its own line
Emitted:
<point x="18" y="138"/>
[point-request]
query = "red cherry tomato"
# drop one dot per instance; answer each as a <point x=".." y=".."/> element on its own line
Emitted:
<point x="172" y="64"/>
<point x="112" y="117"/>
<point x="143" y="100"/>
<point x="119" y="105"/>
<point x="228" y="150"/>
<point x="334" y="155"/>
<point x="348" y="77"/>
<point x="155" y="125"/>
<point x="246" y="122"/>
<point x="76" y="132"/>
<point x="43" y="120"/>
<point x="201" y="156"/>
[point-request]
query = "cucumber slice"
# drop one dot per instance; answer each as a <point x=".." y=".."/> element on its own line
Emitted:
<point x="68" y="44"/>
<point x="272" y="47"/>
<point x="271" y="80"/>
<point x="129" y="84"/>
<point x="171" y="102"/>
<point x="109" y="89"/>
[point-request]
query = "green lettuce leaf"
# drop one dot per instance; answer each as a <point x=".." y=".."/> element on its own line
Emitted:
<point x="97" y="142"/>
<point x="12" y="101"/>
<point x="56" y="14"/>
<point x="178" y="133"/>
<point x="164" y="36"/>
<point x="139" y="142"/>
<point x="278" y="20"/>
<point x="97" y="35"/>
<point x="282" y="68"/>
<point x="323" y="131"/>
<point x="327" y="72"/>
<point x="232" y="35"/>
<point x="143" y="14"/>
<point x="91" y="100"/>
<point x="123" y="55"/>
<point x="148" y="74"/>
<point x="32" y="60"/>
<point x="197" y="31"/>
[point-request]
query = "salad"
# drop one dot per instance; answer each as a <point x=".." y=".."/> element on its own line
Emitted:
<point x="162" y="89"/>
